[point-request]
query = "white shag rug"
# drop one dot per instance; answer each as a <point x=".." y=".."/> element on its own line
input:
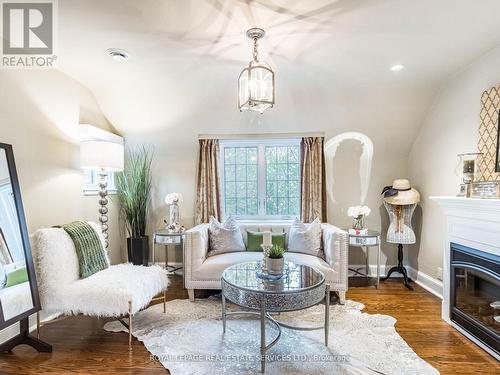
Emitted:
<point x="188" y="339"/>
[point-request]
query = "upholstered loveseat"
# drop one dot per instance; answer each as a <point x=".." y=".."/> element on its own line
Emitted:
<point x="202" y="271"/>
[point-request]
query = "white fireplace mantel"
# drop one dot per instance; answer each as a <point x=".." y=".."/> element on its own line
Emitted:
<point x="470" y="222"/>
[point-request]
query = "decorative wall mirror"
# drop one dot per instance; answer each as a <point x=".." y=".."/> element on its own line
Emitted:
<point x="18" y="288"/>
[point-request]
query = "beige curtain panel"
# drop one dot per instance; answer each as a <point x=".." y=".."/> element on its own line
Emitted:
<point x="313" y="200"/>
<point x="207" y="189"/>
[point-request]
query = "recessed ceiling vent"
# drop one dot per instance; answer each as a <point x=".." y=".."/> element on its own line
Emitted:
<point x="119" y="55"/>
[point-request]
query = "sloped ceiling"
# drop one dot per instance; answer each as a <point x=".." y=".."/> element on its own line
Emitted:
<point x="332" y="60"/>
<point x="327" y="54"/>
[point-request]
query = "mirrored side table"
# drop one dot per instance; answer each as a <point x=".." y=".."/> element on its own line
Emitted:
<point x="167" y="239"/>
<point x="365" y="241"/>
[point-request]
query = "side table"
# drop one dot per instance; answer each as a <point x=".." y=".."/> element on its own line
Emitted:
<point x="364" y="241"/>
<point x="166" y="238"/>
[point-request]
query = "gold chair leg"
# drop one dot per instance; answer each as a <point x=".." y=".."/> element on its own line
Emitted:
<point x="130" y="325"/>
<point x="38" y="324"/>
<point x="165" y="301"/>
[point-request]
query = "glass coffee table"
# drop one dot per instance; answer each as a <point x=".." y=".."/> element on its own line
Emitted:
<point x="300" y="287"/>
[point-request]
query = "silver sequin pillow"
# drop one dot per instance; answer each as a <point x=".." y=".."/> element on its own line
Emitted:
<point x="305" y="239"/>
<point x="225" y="237"/>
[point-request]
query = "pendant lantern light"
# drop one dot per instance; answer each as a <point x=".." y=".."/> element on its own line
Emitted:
<point x="256" y="81"/>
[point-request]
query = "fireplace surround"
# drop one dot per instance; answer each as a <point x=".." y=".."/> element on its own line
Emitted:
<point x="471" y="254"/>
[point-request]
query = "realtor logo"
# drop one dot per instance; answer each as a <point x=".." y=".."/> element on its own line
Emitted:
<point x="28" y="34"/>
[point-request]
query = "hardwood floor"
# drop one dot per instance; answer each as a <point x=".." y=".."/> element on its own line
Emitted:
<point x="82" y="347"/>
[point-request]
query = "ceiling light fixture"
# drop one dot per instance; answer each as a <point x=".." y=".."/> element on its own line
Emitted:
<point x="256" y="81"/>
<point x="397" y="67"/>
<point x="119" y="55"/>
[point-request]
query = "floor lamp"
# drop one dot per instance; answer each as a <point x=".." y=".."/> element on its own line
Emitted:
<point x="103" y="157"/>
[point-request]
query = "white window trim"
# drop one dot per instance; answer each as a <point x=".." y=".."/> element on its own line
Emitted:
<point x="93" y="188"/>
<point x="261" y="178"/>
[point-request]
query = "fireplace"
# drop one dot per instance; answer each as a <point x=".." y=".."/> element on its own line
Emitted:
<point x="475" y="294"/>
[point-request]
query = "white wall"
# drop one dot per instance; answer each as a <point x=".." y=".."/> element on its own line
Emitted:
<point x="39" y="115"/>
<point x="176" y="147"/>
<point x="450" y="127"/>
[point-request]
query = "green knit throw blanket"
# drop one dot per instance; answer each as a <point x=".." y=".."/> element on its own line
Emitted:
<point x="89" y="250"/>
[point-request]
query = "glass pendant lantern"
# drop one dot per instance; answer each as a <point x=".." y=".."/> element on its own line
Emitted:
<point x="256" y="81"/>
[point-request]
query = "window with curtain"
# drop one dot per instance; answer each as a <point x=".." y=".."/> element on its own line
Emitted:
<point x="260" y="179"/>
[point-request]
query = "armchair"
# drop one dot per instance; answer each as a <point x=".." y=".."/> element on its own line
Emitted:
<point x="118" y="291"/>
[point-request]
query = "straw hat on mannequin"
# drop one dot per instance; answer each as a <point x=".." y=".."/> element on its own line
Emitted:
<point x="401" y="193"/>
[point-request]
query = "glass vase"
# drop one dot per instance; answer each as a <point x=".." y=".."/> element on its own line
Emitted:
<point x="174" y="214"/>
<point x="358" y="223"/>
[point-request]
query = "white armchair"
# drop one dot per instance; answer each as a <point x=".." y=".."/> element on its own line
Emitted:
<point x="202" y="272"/>
<point x="118" y="291"/>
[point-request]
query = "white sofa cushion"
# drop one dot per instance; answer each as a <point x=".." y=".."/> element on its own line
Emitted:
<point x="225" y="237"/>
<point x="213" y="267"/>
<point x="305" y="239"/>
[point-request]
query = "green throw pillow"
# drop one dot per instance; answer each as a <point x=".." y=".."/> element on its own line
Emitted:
<point x="17" y="276"/>
<point x="254" y="240"/>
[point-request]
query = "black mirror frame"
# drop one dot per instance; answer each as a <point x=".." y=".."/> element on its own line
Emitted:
<point x="25" y="240"/>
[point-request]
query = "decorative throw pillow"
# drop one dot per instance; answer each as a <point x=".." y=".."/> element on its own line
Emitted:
<point x="254" y="240"/>
<point x="225" y="237"/>
<point x="17" y="276"/>
<point x="305" y="239"/>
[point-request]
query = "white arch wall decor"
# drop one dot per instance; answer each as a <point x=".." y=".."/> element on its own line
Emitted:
<point x="365" y="162"/>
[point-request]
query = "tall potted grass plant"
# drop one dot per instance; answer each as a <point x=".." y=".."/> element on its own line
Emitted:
<point x="134" y="195"/>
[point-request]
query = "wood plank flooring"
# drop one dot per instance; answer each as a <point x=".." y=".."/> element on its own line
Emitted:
<point x="82" y="347"/>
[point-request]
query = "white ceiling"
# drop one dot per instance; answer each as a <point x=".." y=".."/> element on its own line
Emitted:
<point x="331" y="58"/>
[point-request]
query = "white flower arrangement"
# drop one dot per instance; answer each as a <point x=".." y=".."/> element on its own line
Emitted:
<point x="358" y="211"/>
<point x="173" y="198"/>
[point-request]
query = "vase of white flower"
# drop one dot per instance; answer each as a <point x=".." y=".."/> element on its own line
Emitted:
<point x="173" y="200"/>
<point x="358" y="214"/>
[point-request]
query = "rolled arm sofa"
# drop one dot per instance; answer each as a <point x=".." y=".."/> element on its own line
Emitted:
<point x="202" y="271"/>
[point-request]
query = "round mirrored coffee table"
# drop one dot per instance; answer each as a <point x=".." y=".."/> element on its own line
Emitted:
<point x="300" y="287"/>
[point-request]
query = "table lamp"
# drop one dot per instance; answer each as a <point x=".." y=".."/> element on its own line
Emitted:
<point x="103" y="157"/>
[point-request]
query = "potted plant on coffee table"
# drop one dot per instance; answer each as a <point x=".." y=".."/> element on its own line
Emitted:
<point x="275" y="260"/>
<point x="134" y="195"/>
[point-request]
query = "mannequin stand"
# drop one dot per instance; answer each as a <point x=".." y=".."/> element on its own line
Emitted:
<point x="400" y="269"/>
<point x="25" y="338"/>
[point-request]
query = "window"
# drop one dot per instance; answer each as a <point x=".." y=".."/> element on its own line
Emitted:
<point x="261" y="179"/>
<point x="91" y="182"/>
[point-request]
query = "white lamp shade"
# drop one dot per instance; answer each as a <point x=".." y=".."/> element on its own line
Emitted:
<point x="102" y="155"/>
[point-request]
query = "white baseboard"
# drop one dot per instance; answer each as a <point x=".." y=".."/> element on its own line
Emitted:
<point x="427" y="282"/>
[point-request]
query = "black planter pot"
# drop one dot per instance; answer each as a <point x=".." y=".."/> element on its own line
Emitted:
<point x="138" y="250"/>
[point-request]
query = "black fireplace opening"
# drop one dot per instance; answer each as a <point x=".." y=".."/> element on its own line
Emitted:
<point x="475" y="294"/>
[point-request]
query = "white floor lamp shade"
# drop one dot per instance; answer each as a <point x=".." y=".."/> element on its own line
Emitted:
<point x="104" y="157"/>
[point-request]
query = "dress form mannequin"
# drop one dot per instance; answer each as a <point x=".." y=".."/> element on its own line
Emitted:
<point x="400" y="232"/>
<point x="400" y="201"/>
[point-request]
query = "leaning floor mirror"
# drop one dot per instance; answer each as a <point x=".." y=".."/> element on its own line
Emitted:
<point x="18" y="288"/>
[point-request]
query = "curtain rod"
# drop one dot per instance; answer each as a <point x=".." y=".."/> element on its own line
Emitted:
<point x="260" y="135"/>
